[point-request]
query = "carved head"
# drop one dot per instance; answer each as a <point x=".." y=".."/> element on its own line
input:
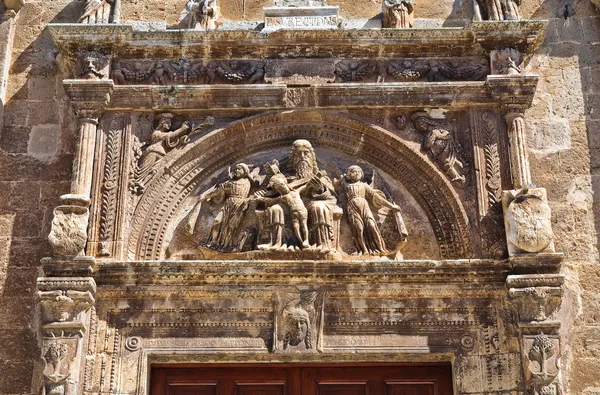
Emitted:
<point x="272" y="168"/>
<point x="280" y="185"/>
<point x="354" y="174"/>
<point x="297" y="324"/>
<point x="421" y="121"/>
<point x="164" y="120"/>
<point x="92" y="62"/>
<point x="303" y="159"/>
<point x="240" y="170"/>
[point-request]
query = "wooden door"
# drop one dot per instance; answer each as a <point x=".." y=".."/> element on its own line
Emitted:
<point x="382" y="379"/>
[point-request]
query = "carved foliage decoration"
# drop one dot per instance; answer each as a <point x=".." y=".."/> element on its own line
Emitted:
<point x="492" y="161"/>
<point x="298" y="326"/>
<point x="57" y="354"/>
<point x="537" y="297"/>
<point x="542" y="355"/>
<point x="183" y="71"/>
<point x="108" y="200"/>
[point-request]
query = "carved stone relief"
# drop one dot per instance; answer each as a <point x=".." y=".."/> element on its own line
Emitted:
<point x="189" y="71"/>
<point x="527" y="219"/>
<point x="298" y="323"/>
<point x="92" y="65"/>
<point x="496" y="10"/>
<point x="439" y="143"/>
<point x="68" y="234"/>
<point x="398" y="14"/>
<point x="100" y="11"/>
<point x="295" y="208"/>
<point x="201" y="14"/>
<point x="506" y="61"/>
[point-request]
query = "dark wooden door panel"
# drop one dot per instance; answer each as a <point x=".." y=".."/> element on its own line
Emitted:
<point x="261" y="388"/>
<point x="302" y="380"/>
<point x="337" y="388"/>
<point x="399" y="388"/>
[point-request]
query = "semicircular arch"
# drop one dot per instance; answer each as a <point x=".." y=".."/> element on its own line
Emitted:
<point x="367" y="142"/>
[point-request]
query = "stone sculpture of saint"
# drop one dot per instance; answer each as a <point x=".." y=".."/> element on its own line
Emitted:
<point x="96" y="11"/>
<point x="162" y="139"/>
<point x="496" y="10"/>
<point x="318" y="192"/>
<point x="365" y="230"/>
<point x="398" y="14"/>
<point x="201" y="14"/>
<point x="234" y="196"/>
<point x="438" y="142"/>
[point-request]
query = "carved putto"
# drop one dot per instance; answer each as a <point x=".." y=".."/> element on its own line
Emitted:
<point x="292" y="207"/>
<point x="398" y="14"/>
<point x="440" y="145"/>
<point x="298" y="321"/>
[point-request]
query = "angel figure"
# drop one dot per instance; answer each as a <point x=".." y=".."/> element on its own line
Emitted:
<point x="438" y="142"/>
<point x="162" y="139"/>
<point x="297" y="321"/>
<point x="365" y="231"/>
<point x="234" y="195"/>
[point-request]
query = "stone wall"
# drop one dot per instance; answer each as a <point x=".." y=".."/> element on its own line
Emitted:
<point x="38" y="136"/>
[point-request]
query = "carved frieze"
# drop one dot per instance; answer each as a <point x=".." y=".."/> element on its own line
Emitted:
<point x="197" y="72"/>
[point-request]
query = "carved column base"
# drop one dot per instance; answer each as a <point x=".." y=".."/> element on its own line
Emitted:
<point x="527" y="221"/>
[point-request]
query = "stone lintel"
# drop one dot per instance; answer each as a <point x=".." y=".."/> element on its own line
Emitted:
<point x="126" y="43"/>
<point x="348" y="95"/>
<point x="301" y="272"/>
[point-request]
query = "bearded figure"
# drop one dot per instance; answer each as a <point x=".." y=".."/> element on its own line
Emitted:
<point x="318" y="192"/>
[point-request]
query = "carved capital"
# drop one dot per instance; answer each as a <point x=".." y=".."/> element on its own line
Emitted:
<point x="527" y="220"/>
<point x="88" y="98"/>
<point x="513" y="92"/>
<point x="537" y="298"/>
<point x="63" y="300"/>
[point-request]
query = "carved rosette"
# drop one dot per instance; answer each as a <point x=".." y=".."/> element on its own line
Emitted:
<point x="527" y="219"/>
<point x="537" y="299"/>
<point x="298" y="326"/>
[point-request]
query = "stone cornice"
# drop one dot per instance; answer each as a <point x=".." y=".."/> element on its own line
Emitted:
<point x="189" y="273"/>
<point x="122" y="41"/>
<point x="494" y="91"/>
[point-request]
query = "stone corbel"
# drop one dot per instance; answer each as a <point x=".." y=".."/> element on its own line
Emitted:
<point x="537" y="299"/>
<point x="64" y="303"/>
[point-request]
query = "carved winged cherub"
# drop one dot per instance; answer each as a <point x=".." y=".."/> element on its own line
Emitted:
<point x="365" y="230"/>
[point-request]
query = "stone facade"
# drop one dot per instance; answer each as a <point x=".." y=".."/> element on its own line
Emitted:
<point x="132" y="234"/>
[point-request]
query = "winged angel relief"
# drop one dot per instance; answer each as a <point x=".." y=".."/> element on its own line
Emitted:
<point x="295" y="207"/>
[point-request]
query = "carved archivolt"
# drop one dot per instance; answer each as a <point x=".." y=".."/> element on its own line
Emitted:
<point x="222" y="148"/>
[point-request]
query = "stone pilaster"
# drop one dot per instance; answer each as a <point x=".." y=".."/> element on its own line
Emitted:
<point x="519" y="159"/>
<point x="64" y="305"/>
<point x="7" y="32"/>
<point x="537" y="299"/>
<point x="68" y="235"/>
